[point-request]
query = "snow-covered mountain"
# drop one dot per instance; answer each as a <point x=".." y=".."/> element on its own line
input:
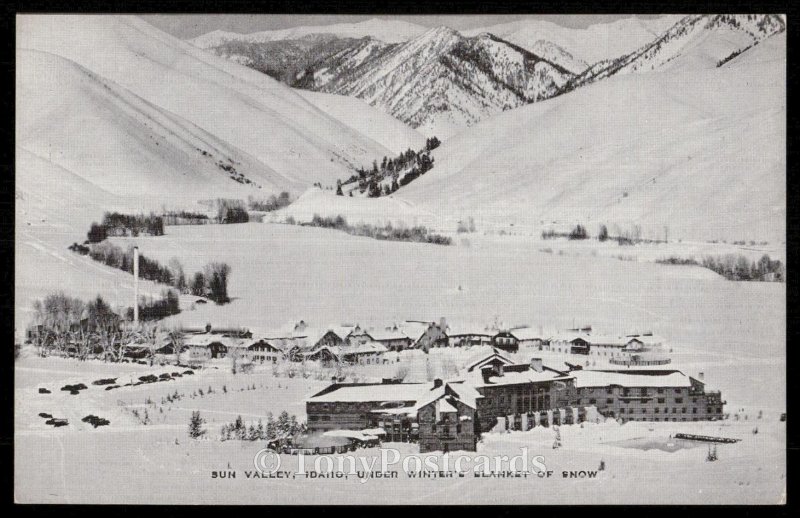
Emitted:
<point x="387" y="31"/>
<point x="595" y="43"/>
<point x="246" y="110"/>
<point x="441" y="81"/>
<point x="113" y="114"/>
<point x="694" y="41"/>
<point x="697" y="150"/>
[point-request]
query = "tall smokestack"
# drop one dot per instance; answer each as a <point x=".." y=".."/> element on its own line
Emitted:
<point x="136" y="284"/>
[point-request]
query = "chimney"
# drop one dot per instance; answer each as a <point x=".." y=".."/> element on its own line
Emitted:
<point x="437" y="383"/>
<point x="536" y="364"/>
<point x="208" y="328"/>
<point x="486" y="372"/>
<point x="136" y="284"/>
<point x="700" y="376"/>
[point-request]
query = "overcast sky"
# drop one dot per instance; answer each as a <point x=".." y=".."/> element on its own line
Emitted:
<point x="191" y="25"/>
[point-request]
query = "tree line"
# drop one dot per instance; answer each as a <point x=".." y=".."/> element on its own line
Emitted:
<point x="285" y="426"/>
<point x="736" y="267"/>
<point x="369" y="180"/>
<point x="270" y="204"/>
<point x="418" y="234"/>
<point x="116" y="224"/>
<point x="211" y="282"/>
<point x="68" y="326"/>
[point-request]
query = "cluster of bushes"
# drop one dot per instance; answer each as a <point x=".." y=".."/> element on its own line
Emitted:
<point x="212" y="282"/>
<point x="737" y="267"/>
<point x="116" y="224"/>
<point x="466" y="226"/>
<point x="231" y="211"/>
<point x="417" y="234"/>
<point x="68" y="326"/>
<point x="579" y="232"/>
<point x="151" y="309"/>
<point x="284" y="426"/>
<point x="270" y="204"/>
<point x="185" y="218"/>
<point x="630" y="237"/>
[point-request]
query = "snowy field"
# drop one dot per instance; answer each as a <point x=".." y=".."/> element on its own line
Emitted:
<point x="732" y="332"/>
<point x="128" y="461"/>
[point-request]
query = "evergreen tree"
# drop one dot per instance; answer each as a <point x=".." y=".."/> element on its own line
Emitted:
<point x="603" y="235"/>
<point x="239" y="429"/>
<point x="271" y="430"/>
<point x="196" y="423"/>
<point x="339" y="188"/>
<point x="260" y="434"/>
<point x="283" y="425"/>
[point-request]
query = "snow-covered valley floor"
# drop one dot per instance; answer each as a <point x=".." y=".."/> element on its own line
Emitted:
<point x="732" y="332"/>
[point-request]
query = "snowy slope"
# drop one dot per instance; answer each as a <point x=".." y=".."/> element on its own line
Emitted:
<point x="701" y="151"/>
<point x="594" y="43"/>
<point x="122" y="144"/>
<point x="388" y="31"/>
<point x="374" y="211"/>
<point x="355" y="113"/>
<point x="255" y="113"/>
<point x="696" y="41"/>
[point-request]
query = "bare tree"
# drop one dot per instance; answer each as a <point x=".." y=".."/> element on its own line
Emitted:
<point x="151" y="335"/>
<point x="177" y="340"/>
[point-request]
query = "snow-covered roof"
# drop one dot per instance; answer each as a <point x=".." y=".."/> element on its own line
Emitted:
<point x="350" y="434"/>
<point x="592" y="338"/>
<point x="516" y="378"/>
<point x="568" y="336"/>
<point x="374" y="392"/>
<point x="206" y="339"/>
<point x="648" y="339"/>
<point x="386" y="335"/>
<point x="340" y="331"/>
<point x="526" y="333"/>
<point x="414" y="330"/>
<point x="469" y="329"/>
<point x="483" y="358"/>
<point x="374" y="431"/>
<point x="466" y="393"/>
<point x="589" y="378"/>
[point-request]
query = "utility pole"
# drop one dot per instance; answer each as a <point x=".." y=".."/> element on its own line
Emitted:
<point x="135" y="284"/>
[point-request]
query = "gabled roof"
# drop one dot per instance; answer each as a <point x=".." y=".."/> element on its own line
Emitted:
<point x="484" y="359"/>
<point x="341" y="331"/>
<point x="414" y="329"/>
<point x="526" y="333"/>
<point x="456" y="329"/>
<point x="466" y="393"/>
<point x="569" y="336"/>
<point x="382" y="335"/>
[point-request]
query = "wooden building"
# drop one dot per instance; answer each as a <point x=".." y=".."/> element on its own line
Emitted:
<point x="647" y="395"/>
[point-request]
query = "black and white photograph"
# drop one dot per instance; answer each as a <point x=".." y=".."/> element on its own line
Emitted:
<point x="419" y="259"/>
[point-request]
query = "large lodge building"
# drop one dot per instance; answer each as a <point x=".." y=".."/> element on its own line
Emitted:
<point x="497" y="392"/>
